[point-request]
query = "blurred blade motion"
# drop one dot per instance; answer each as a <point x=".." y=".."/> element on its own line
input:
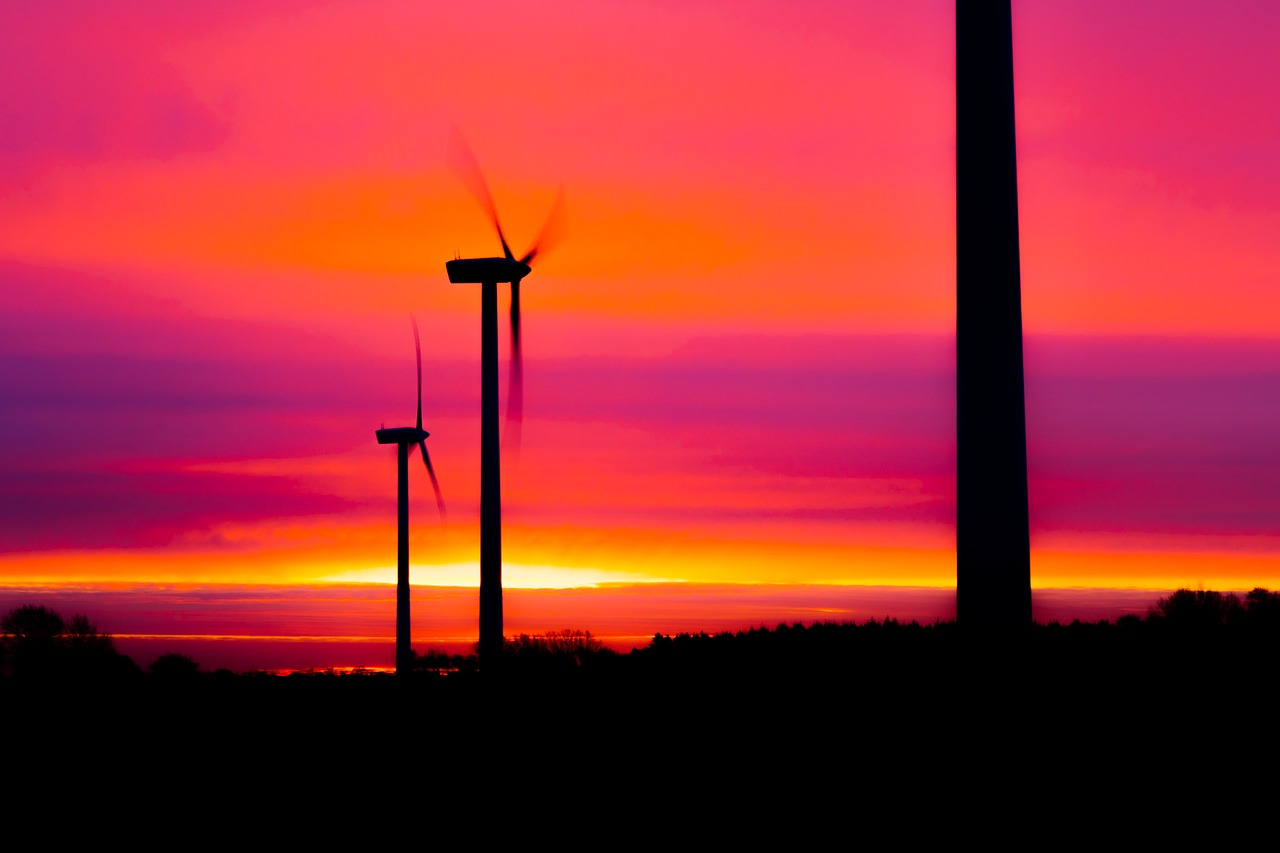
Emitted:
<point x="552" y="230"/>
<point x="515" y="384"/>
<point x="467" y="167"/>
<point x="417" y="348"/>
<point x="492" y="271"/>
<point x="435" y="484"/>
<point x="422" y="440"/>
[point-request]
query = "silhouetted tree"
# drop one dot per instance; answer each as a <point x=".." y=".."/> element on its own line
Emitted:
<point x="1260" y="622"/>
<point x="83" y="636"/>
<point x="1200" y="609"/>
<point x="32" y="623"/>
<point x="37" y="641"/>
<point x="88" y="652"/>
<point x="174" y="666"/>
<point x="31" y="635"/>
<point x="565" y="649"/>
<point x="438" y="662"/>
<point x="1263" y="606"/>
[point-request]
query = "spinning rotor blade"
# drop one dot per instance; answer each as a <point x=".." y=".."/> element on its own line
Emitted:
<point x="552" y="229"/>
<point x="417" y="347"/>
<point x="515" y="384"/>
<point x="435" y="484"/>
<point x="468" y="169"/>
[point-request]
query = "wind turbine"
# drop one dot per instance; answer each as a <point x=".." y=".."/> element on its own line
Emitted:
<point x="489" y="273"/>
<point x="993" y="569"/>
<point x="405" y="438"/>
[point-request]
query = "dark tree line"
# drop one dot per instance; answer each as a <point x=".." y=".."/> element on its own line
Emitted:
<point x="1189" y="630"/>
<point x="1207" y="610"/>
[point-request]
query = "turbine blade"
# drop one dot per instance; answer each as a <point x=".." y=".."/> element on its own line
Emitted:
<point x="515" y="384"/>
<point x="552" y="230"/>
<point x="435" y="484"/>
<point x="417" y="347"/>
<point x="468" y="169"/>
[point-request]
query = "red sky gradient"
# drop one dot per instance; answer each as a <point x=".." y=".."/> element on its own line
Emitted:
<point x="739" y="361"/>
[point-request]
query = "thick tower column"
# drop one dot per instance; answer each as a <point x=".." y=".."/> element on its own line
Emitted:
<point x="993" y="567"/>
<point x="404" y="647"/>
<point x="490" y="482"/>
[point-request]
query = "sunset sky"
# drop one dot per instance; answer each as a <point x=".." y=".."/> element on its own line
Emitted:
<point x="217" y="219"/>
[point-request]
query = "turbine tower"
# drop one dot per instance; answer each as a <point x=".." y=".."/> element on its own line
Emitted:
<point x="405" y="438"/>
<point x="993" y="563"/>
<point x="489" y="273"/>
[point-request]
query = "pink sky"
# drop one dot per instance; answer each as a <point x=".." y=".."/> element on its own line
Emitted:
<point x="739" y="361"/>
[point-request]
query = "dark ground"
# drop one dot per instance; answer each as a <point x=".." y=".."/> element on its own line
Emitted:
<point x="775" y="689"/>
<point x="906" y="727"/>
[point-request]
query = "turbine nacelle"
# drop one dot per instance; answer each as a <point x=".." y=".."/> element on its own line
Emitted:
<point x="482" y="270"/>
<point x="401" y="435"/>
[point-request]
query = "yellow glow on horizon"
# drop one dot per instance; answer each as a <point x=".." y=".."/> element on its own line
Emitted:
<point x="621" y="558"/>
<point x="1154" y="570"/>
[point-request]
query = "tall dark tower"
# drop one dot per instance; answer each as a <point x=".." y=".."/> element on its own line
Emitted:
<point x="993" y="562"/>
<point x="405" y="438"/>
<point x="489" y="273"/>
